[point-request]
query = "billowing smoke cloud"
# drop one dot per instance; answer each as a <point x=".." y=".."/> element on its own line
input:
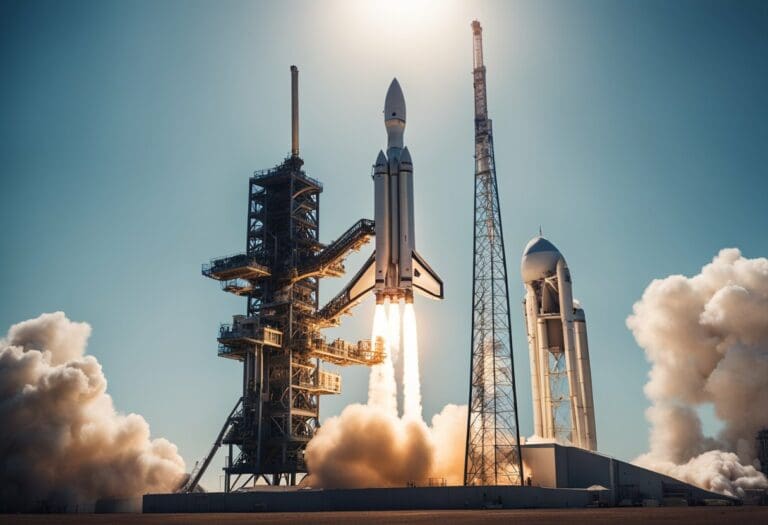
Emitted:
<point x="365" y="447"/>
<point x="371" y="445"/>
<point x="707" y="340"/>
<point x="60" y="436"/>
<point x="449" y="437"/>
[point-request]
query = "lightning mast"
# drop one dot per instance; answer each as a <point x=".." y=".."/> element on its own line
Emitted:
<point x="493" y="439"/>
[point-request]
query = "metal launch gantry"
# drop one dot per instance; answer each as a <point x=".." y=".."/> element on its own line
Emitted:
<point x="279" y="340"/>
<point x="493" y="440"/>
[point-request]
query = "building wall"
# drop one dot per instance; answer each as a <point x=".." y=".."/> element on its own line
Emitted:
<point x="557" y="466"/>
<point x="369" y="499"/>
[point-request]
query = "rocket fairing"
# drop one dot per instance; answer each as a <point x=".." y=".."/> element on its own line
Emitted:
<point x="395" y="269"/>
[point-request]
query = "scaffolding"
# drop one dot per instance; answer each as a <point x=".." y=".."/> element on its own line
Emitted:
<point x="278" y="340"/>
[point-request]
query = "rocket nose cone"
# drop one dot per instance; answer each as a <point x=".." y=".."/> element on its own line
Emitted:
<point x="394" y="103"/>
<point x="381" y="160"/>
<point x="405" y="157"/>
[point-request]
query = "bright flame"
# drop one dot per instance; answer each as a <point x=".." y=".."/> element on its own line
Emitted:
<point x="393" y="330"/>
<point x="411" y="380"/>
<point x="382" y="389"/>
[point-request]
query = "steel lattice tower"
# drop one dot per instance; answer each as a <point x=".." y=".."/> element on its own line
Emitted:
<point x="493" y="440"/>
<point x="279" y="340"/>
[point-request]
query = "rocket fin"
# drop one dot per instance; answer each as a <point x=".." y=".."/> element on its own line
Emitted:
<point x="364" y="281"/>
<point x="425" y="280"/>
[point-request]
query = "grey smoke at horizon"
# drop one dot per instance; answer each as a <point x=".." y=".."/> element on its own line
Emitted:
<point x="60" y="435"/>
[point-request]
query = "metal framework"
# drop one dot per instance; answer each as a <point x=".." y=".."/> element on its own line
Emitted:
<point x="278" y="340"/>
<point x="493" y="440"/>
<point x="559" y="393"/>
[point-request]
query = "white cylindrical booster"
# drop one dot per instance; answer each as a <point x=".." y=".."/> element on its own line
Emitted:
<point x="542" y="358"/>
<point x="530" y="308"/>
<point x="407" y="242"/>
<point x="381" y="218"/>
<point x="585" y="372"/>
<point x="394" y="218"/>
<point x="569" y="347"/>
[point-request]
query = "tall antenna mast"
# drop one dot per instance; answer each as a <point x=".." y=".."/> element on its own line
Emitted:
<point x="493" y="439"/>
<point x="294" y="111"/>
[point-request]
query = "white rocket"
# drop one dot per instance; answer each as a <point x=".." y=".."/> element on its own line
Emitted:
<point x="561" y="377"/>
<point x="395" y="269"/>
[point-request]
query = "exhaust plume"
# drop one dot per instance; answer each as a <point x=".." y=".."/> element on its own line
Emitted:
<point x="707" y="340"/>
<point x="411" y="380"/>
<point x="61" y="439"/>
<point x="393" y="330"/>
<point x="370" y="446"/>
<point x="382" y="389"/>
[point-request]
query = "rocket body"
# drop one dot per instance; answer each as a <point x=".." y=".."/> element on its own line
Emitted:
<point x="396" y="269"/>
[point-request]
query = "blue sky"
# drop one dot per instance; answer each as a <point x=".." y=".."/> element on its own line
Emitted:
<point x="634" y="133"/>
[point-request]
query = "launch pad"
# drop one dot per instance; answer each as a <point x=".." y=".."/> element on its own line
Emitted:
<point x="561" y="477"/>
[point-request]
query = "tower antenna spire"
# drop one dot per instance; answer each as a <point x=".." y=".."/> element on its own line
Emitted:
<point x="294" y="111"/>
<point x="493" y="439"/>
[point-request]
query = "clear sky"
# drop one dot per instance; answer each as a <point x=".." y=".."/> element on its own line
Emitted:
<point x="634" y="133"/>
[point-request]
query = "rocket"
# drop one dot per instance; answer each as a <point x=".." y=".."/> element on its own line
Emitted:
<point x="395" y="269"/>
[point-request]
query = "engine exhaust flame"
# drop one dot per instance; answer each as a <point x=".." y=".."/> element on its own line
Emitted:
<point x="382" y="389"/>
<point x="393" y="330"/>
<point x="411" y="379"/>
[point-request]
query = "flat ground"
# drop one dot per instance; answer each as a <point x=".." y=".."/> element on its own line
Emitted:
<point x="670" y="515"/>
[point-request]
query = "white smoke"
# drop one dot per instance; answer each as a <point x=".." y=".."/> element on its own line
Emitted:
<point x="707" y="340"/>
<point x="371" y="446"/>
<point x="60" y="436"/>
<point x="449" y="438"/>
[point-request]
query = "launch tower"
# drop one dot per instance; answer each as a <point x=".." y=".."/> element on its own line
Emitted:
<point x="493" y="440"/>
<point x="278" y="340"/>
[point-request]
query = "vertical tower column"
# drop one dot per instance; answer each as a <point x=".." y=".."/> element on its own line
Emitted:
<point x="585" y="375"/>
<point x="543" y="365"/>
<point x="493" y="440"/>
<point x="533" y="353"/>
<point x="294" y="111"/>
<point x="569" y="349"/>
